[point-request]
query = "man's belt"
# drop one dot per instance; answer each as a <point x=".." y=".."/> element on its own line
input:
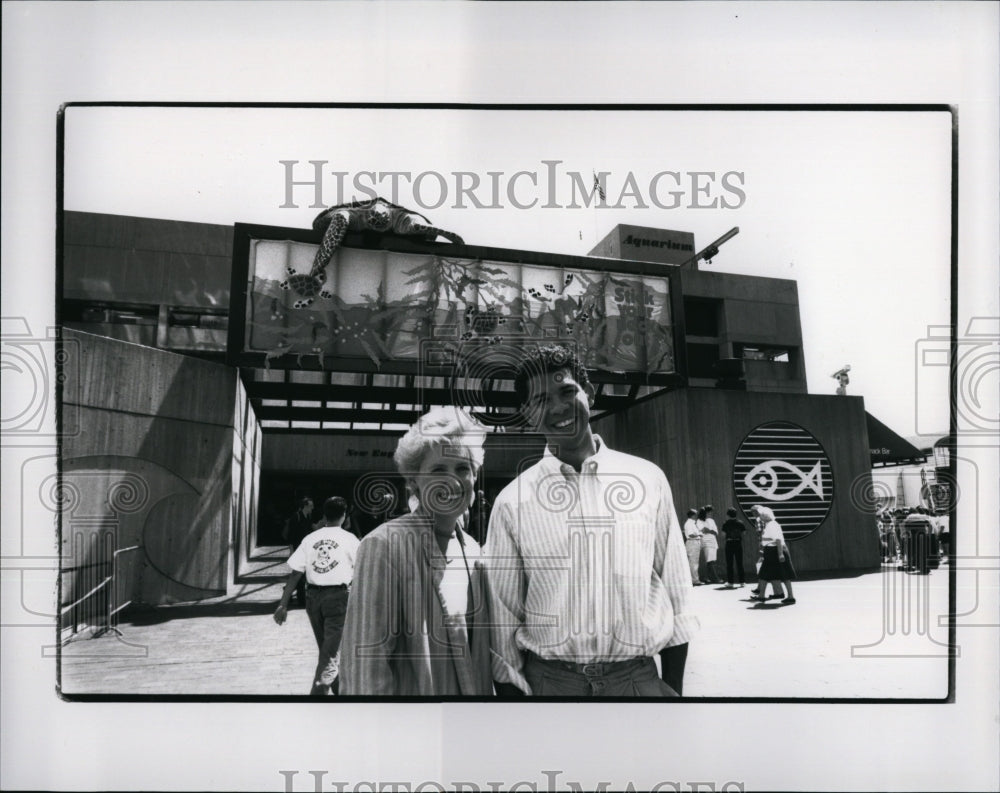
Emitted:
<point x="594" y="669"/>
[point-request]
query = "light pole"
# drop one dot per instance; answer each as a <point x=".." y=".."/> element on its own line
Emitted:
<point x="712" y="250"/>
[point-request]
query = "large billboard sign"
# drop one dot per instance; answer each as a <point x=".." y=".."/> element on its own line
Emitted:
<point x="384" y="306"/>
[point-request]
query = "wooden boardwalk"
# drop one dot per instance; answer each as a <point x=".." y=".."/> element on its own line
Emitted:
<point x="227" y="648"/>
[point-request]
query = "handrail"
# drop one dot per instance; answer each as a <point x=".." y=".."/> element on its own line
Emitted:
<point x="109" y="584"/>
<point x="76" y="603"/>
<point x="113" y="609"/>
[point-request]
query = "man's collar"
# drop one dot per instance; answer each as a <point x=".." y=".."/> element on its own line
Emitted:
<point x="592" y="463"/>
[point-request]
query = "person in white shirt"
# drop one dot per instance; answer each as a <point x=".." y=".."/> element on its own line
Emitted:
<point x="776" y="564"/>
<point x="709" y="543"/>
<point x="692" y="544"/>
<point x="586" y="556"/>
<point x="325" y="558"/>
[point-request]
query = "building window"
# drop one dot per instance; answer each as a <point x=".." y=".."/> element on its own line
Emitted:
<point x="701" y="316"/>
<point x="189" y="329"/>
<point x="110" y="313"/>
<point x="701" y="360"/>
<point x="753" y="352"/>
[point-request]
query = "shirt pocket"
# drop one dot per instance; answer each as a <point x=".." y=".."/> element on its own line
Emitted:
<point x="633" y="568"/>
<point x="634" y="541"/>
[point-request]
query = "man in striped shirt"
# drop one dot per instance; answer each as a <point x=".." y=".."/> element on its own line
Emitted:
<point x="589" y="574"/>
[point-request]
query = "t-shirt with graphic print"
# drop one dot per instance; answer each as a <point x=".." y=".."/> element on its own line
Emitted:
<point x="326" y="556"/>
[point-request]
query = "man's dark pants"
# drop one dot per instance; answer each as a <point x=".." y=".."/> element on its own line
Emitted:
<point x="634" y="678"/>
<point x="734" y="561"/>
<point x="919" y="545"/>
<point x="326" y="607"/>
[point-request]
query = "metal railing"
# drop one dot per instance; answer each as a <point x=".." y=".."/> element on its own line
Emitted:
<point x="103" y="600"/>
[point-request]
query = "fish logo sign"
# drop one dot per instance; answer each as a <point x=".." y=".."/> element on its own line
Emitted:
<point x="783" y="466"/>
<point x="764" y="480"/>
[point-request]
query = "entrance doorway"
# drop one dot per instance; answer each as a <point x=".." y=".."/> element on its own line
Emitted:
<point x="280" y="492"/>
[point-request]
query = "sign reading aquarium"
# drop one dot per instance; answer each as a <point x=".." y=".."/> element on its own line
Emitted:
<point x="385" y="305"/>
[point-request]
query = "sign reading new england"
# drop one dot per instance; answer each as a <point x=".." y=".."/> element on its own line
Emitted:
<point x="781" y="466"/>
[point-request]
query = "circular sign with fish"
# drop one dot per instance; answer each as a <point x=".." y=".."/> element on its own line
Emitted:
<point x="781" y="466"/>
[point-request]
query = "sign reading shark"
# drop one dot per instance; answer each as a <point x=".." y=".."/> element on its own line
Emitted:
<point x="781" y="466"/>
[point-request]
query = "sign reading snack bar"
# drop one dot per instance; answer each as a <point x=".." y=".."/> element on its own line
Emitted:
<point x="781" y="466"/>
<point x="385" y="305"/>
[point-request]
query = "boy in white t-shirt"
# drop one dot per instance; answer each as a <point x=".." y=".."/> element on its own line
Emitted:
<point x="325" y="557"/>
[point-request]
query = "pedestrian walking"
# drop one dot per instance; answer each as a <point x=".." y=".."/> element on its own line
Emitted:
<point x="777" y="563"/>
<point x="760" y="590"/>
<point x="325" y="560"/>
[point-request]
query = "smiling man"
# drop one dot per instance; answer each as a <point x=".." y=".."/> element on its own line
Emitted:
<point x="587" y="563"/>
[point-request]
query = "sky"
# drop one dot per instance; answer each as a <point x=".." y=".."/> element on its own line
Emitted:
<point x="853" y="206"/>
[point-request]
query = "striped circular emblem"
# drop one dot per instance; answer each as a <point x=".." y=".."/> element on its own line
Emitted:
<point x="781" y="466"/>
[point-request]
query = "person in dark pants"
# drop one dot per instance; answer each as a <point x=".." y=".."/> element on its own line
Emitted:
<point x="325" y="559"/>
<point x="944" y="536"/>
<point x="296" y="529"/>
<point x="919" y="530"/>
<point x="733" y="529"/>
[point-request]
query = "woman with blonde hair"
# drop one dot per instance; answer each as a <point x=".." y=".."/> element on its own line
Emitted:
<point x="777" y="563"/>
<point x="418" y="620"/>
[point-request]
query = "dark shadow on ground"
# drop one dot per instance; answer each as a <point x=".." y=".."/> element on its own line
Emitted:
<point x="155" y="615"/>
<point x="819" y="575"/>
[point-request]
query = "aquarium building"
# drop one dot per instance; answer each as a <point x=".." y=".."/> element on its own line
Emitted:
<point x="212" y="376"/>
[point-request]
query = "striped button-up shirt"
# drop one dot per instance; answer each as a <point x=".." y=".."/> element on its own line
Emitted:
<point x="586" y="567"/>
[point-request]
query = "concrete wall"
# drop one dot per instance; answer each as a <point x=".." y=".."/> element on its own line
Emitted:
<point x="123" y="259"/>
<point x="153" y="466"/>
<point x="756" y="311"/>
<point x="146" y="260"/>
<point x="693" y="435"/>
<point x="247" y="448"/>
